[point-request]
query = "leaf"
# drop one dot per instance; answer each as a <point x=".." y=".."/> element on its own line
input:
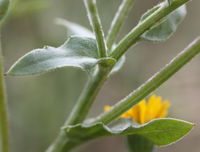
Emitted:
<point x="137" y="143"/>
<point x="159" y="131"/>
<point x="166" y="27"/>
<point x="79" y="52"/>
<point x="74" y="29"/>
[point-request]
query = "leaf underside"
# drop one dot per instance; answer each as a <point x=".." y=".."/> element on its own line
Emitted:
<point x="76" y="29"/>
<point x="166" y="27"/>
<point x="78" y="52"/>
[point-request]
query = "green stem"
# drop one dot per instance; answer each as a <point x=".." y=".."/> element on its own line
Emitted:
<point x="142" y="27"/>
<point x="4" y="127"/>
<point x="96" y="25"/>
<point x="4" y="133"/>
<point x="159" y="78"/>
<point x="81" y="109"/>
<point x="62" y="144"/>
<point x="87" y="97"/>
<point x="118" y="21"/>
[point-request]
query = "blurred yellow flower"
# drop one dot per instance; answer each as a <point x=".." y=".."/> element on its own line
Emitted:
<point x="145" y="111"/>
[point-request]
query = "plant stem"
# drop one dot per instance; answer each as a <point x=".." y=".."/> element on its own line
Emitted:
<point x="118" y="21"/>
<point x="159" y="78"/>
<point x="95" y="22"/>
<point x="4" y="127"/>
<point x="62" y="144"/>
<point x="87" y="97"/>
<point x="4" y="133"/>
<point x="129" y="40"/>
<point x="81" y="109"/>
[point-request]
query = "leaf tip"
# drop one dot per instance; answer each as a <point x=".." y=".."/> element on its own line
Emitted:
<point x="193" y="124"/>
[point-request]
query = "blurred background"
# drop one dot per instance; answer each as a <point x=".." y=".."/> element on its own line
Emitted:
<point x="38" y="105"/>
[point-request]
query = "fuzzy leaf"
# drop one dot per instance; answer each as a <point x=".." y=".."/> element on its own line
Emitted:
<point x="166" y="27"/>
<point x="74" y="29"/>
<point x="159" y="131"/>
<point x="80" y="52"/>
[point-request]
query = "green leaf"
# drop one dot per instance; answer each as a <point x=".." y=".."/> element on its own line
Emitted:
<point x="159" y="131"/>
<point x="74" y="29"/>
<point x="79" y="52"/>
<point x="137" y="143"/>
<point x="166" y="27"/>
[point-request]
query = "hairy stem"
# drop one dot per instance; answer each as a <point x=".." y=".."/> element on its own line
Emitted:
<point x="118" y="21"/>
<point x="142" y="27"/>
<point x="96" y="26"/>
<point x="87" y="97"/>
<point x="81" y="109"/>
<point x="157" y="80"/>
<point x="62" y="143"/>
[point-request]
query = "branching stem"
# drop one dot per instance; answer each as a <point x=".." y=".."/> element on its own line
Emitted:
<point x="118" y="21"/>
<point x="153" y="83"/>
<point x="79" y="113"/>
<point x="132" y="38"/>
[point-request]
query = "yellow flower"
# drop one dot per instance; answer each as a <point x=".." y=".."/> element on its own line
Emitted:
<point x="145" y="111"/>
